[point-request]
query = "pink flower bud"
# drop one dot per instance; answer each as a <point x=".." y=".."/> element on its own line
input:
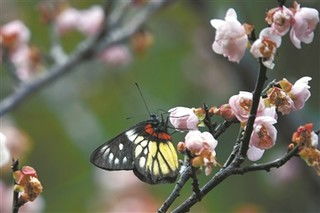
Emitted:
<point x="117" y="55"/>
<point x="305" y="22"/>
<point x="183" y="118"/>
<point x="231" y="39"/>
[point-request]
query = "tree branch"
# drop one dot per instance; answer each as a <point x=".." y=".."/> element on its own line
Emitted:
<point x="253" y="112"/>
<point x="85" y="51"/>
<point x="15" y="201"/>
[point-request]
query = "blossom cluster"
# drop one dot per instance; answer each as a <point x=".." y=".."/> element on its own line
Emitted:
<point x="14" y="39"/>
<point x="200" y="145"/>
<point x="232" y="38"/>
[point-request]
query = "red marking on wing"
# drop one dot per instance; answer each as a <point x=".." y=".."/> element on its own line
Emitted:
<point x="161" y="135"/>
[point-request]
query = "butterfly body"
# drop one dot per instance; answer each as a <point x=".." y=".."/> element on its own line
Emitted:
<point x="145" y="148"/>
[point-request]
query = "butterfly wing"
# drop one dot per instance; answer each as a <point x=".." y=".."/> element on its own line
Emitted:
<point x="115" y="154"/>
<point x="155" y="160"/>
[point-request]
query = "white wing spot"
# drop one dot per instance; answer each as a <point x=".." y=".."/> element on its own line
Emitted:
<point x="103" y="149"/>
<point x="110" y="157"/>
<point x="116" y="161"/>
<point x="142" y="161"/>
<point x="125" y="160"/>
<point x="145" y="151"/>
<point x="144" y="143"/>
<point x="139" y="139"/>
<point x="131" y="135"/>
<point x="120" y="146"/>
<point x="105" y="154"/>
<point x="138" y="150"/>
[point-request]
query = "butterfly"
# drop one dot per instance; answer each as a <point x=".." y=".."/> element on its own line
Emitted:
<point x="145" y="148"/>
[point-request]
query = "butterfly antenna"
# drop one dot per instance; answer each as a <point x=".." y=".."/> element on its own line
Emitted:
<point x="144" y="101"/>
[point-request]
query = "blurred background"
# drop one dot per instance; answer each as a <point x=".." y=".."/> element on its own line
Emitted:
<point x="55" y="130"/>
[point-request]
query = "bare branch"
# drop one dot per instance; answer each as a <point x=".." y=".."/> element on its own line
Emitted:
<point x="86" y="51"/>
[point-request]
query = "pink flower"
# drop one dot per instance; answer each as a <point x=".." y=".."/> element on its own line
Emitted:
<point x="117" y="55"/>
<point x="67" y="20"/>
<point x="265" y="47"/>
<point x="305" y="22"/>
<point x="241" y="105"/>
<point x="231" y="38"/>
<point x="197" y="141"/>
<point x="264" y="134"/>
<point x="280" y="19"/>
<point x="300" y="92"/>
<point x="183" y="118"/>
<point x="254" y="153"/>
<point x="14" y="33"/>
<point x="4" y="152"/>
<point x="90" y="20"/>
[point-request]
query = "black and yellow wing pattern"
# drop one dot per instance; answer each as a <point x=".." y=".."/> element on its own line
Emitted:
<point x="145" y="148"/>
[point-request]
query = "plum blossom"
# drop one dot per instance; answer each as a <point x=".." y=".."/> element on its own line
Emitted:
<point x="305" y="22"/>
<point x="300" y="92"/>
<point x="280" y="99"/>
<point x="280" y="19"/>
<point x="90" y="20"/>
<point x="264" y="134"/>
<point x="14" y="34"/>
<point x="67" y="20"/>
<point x="86" y="21"/>
<point x="202" y="146"/>
<point x="254" y="153"/>
<point x="265" y="46"/>
<point x="4" y="152"/>
<point x="241" y="105"/>
<point x="117" y="55"/>
<point x="183" y="118"/>
<point x="231" y="39"/>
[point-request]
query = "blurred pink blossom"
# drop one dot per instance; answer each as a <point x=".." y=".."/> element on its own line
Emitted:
<point x="280" y="19"/>
<point x="4" y="152"/>
<point x="305" y="22"/>
<point x="254" y="153"/>
<point x="197" y="141"/>
<point x="241" y="105"/>
<point x="14" y="34"/>
<point x="300" y="92"/>
<point x="231" y="39"/>
<point x="264" y="134"/>
<point x="67" y="20"/>
<point x="117" y="55"/>
<point x="87" y="21"/>
<point x="183" y="118"/>
<point x="265" y="46"/>
<point x="90" y="20"/>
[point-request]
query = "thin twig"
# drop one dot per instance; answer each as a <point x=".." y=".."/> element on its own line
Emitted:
<point x="222" y="128"/>
<point x="207" y="120"/>
<point x="235" y="149"/>
<point x="195" y="182"/>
